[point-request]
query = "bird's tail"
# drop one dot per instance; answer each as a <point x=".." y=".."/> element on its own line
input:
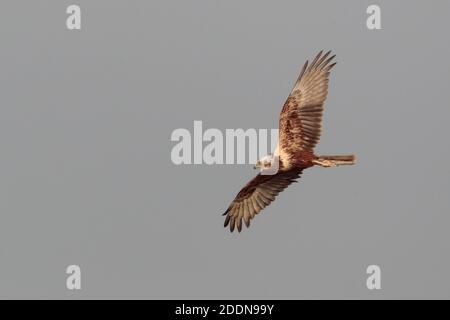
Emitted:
<point x="333" y="161"/>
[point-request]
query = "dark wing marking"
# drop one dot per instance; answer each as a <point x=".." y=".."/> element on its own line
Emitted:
<point x="257" y="194"/>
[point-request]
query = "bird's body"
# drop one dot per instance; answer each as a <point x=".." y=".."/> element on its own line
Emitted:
<point x="300" y="127"/>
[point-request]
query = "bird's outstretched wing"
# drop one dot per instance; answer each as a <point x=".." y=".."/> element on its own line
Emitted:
<point x="256" y="195"/>
<point x="301" y="116"/>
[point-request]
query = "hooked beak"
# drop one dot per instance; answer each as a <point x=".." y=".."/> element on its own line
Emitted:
<point x="257" y="165"/>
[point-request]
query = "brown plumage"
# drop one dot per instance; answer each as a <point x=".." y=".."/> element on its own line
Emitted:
<point x="300" y="128"/>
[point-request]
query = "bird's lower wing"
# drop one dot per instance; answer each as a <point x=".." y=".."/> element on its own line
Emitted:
<point x="257" y="194"/>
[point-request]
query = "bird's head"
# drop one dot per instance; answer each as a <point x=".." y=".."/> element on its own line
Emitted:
<point x="265" y="162"/>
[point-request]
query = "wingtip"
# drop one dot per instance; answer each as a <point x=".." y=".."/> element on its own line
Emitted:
<point x="232" y="225"/>
<point x="332" y="65"/>
<point x="226" y="211"/>
<point x="227" y="220"/>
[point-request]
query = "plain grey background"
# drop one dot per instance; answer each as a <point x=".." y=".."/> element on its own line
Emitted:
<point x="85" y="170"/>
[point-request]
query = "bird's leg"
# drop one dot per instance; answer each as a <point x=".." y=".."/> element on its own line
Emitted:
<point x="324" y="163"/>
<point x="334" y="161"/>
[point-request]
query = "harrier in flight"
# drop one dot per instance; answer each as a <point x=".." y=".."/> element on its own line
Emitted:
<point x="300" y="129"/>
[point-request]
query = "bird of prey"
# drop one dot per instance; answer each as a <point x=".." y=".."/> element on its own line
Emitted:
<point x="300" y="126"/>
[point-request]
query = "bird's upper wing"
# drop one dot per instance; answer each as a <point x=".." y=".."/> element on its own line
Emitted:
<point x="256" y="195"/>
<point x="301" y="116"/>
